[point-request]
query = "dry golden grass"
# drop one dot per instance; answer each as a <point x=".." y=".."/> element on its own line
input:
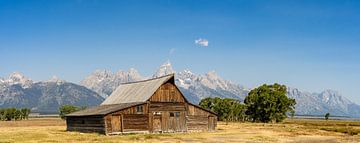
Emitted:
<point x="53" y="130"/>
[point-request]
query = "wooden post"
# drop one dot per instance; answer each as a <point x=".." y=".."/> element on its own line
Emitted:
<point x="150" y="123"/>
<point x="122" y="122"/>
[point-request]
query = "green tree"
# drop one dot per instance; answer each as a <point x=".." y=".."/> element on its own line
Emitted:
<point x="9" y="114"/>
<point x="25" y="113"/>
<point x="227" y="109"/>
<point x="67" y="109"/>
<point x="17" y="114"/>
<point x="269" y="103"/>
<point x="2" y="114"/>
<point x="327" y="115"/>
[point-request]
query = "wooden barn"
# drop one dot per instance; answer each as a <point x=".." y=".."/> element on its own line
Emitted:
<point x="149" y="106"/>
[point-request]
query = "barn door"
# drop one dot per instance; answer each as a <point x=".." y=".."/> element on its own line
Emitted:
<point x="116" y="123"/>
<point x="176" y="123"/>
<point x="211" y="122"/>
<point x="157" y="122"/>
<point x="172" y="122"/>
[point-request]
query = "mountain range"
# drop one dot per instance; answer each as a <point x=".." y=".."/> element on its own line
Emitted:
<point x="47" y="96"/>
<point x="19" y="91"/>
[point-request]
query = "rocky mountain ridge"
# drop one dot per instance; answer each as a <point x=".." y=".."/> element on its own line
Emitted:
<point x="19" y="91"/>
<point x="196" y="87"/>
<point x="46" y="96"/>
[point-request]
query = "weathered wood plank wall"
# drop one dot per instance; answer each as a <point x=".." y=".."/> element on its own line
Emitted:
<point x="131" y="119"/>
<point x="136" y="122"/>
<point x="161" y="106"/>
<point x="198" y="119"/>
<point x="86" y="124"/>
<point x="167" y="93"/>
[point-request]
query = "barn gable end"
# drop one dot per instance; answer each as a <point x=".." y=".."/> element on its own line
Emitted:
<point x="167" y="92"/>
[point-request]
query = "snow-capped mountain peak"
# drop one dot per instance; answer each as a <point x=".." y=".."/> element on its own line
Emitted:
<point x="102" y="74"/>
<point x="186" y="74"/>
<point x="212" y="75"/>
<point x="165" y="69"/>
<point x="134" y="74"/>
<point x="320" y="103"/>
<point x="18" y="78"/>
<point x="56" y="80"/>
<point x="186" y="78"/>
<point x="333" y="98"/>
<point x="212" y="80"/>
<point x="104" y="81"/>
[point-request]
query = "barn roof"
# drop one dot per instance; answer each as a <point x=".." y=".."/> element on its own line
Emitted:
<point x="104" y="109"/>
<point x="139" y="91"/>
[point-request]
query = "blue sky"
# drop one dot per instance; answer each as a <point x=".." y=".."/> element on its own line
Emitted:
<point x="311" y="45"/>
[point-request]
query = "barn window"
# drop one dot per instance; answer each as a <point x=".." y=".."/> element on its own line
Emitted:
<point x="177" y="114"/>
<point x="171" y="114"/>
<point x="139" y="109"/>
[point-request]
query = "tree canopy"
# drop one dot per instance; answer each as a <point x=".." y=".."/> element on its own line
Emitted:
<point x="327" y="115"/>
<point x="227" y="109"/>
<point x="269" y="103"/>
<point x="8" y="114"/>
<point x="67" y="109"/>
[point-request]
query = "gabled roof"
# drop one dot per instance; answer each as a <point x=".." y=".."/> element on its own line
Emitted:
<point x="139" y="91"/>
<point x="103" y="109"/>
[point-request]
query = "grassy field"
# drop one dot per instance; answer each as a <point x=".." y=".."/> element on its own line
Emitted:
<point x="297" y="130"/>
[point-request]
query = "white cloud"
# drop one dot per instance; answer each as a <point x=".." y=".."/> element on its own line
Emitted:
<point x="202" y="42"/>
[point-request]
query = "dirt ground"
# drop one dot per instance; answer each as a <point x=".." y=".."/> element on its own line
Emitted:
<point x="297" y="131"/>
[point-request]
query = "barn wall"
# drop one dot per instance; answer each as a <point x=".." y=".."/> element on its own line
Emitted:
<point x="199" y="119"/>
<point x="165" y="101"/>
<point x="132" y="110"/>
<point x="107" y="120"/>
<point x="86" y="124"/>
<point x="193" y="110"/>
<point x="130" y="119"/>
<point x="136" y="122"/>
<point x="167" y="93"/>
<point x="197" y="122"/>
<point x="162" y="111"/>
<point x="166" y="106"/>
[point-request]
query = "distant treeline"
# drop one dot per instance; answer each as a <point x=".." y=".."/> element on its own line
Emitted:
<point x="267" y="103"/>
<point x="8" y="114"/>
<point x="226" y="108"/>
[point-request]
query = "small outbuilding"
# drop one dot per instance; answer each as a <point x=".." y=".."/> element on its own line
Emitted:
<point x="149" y="106"/>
